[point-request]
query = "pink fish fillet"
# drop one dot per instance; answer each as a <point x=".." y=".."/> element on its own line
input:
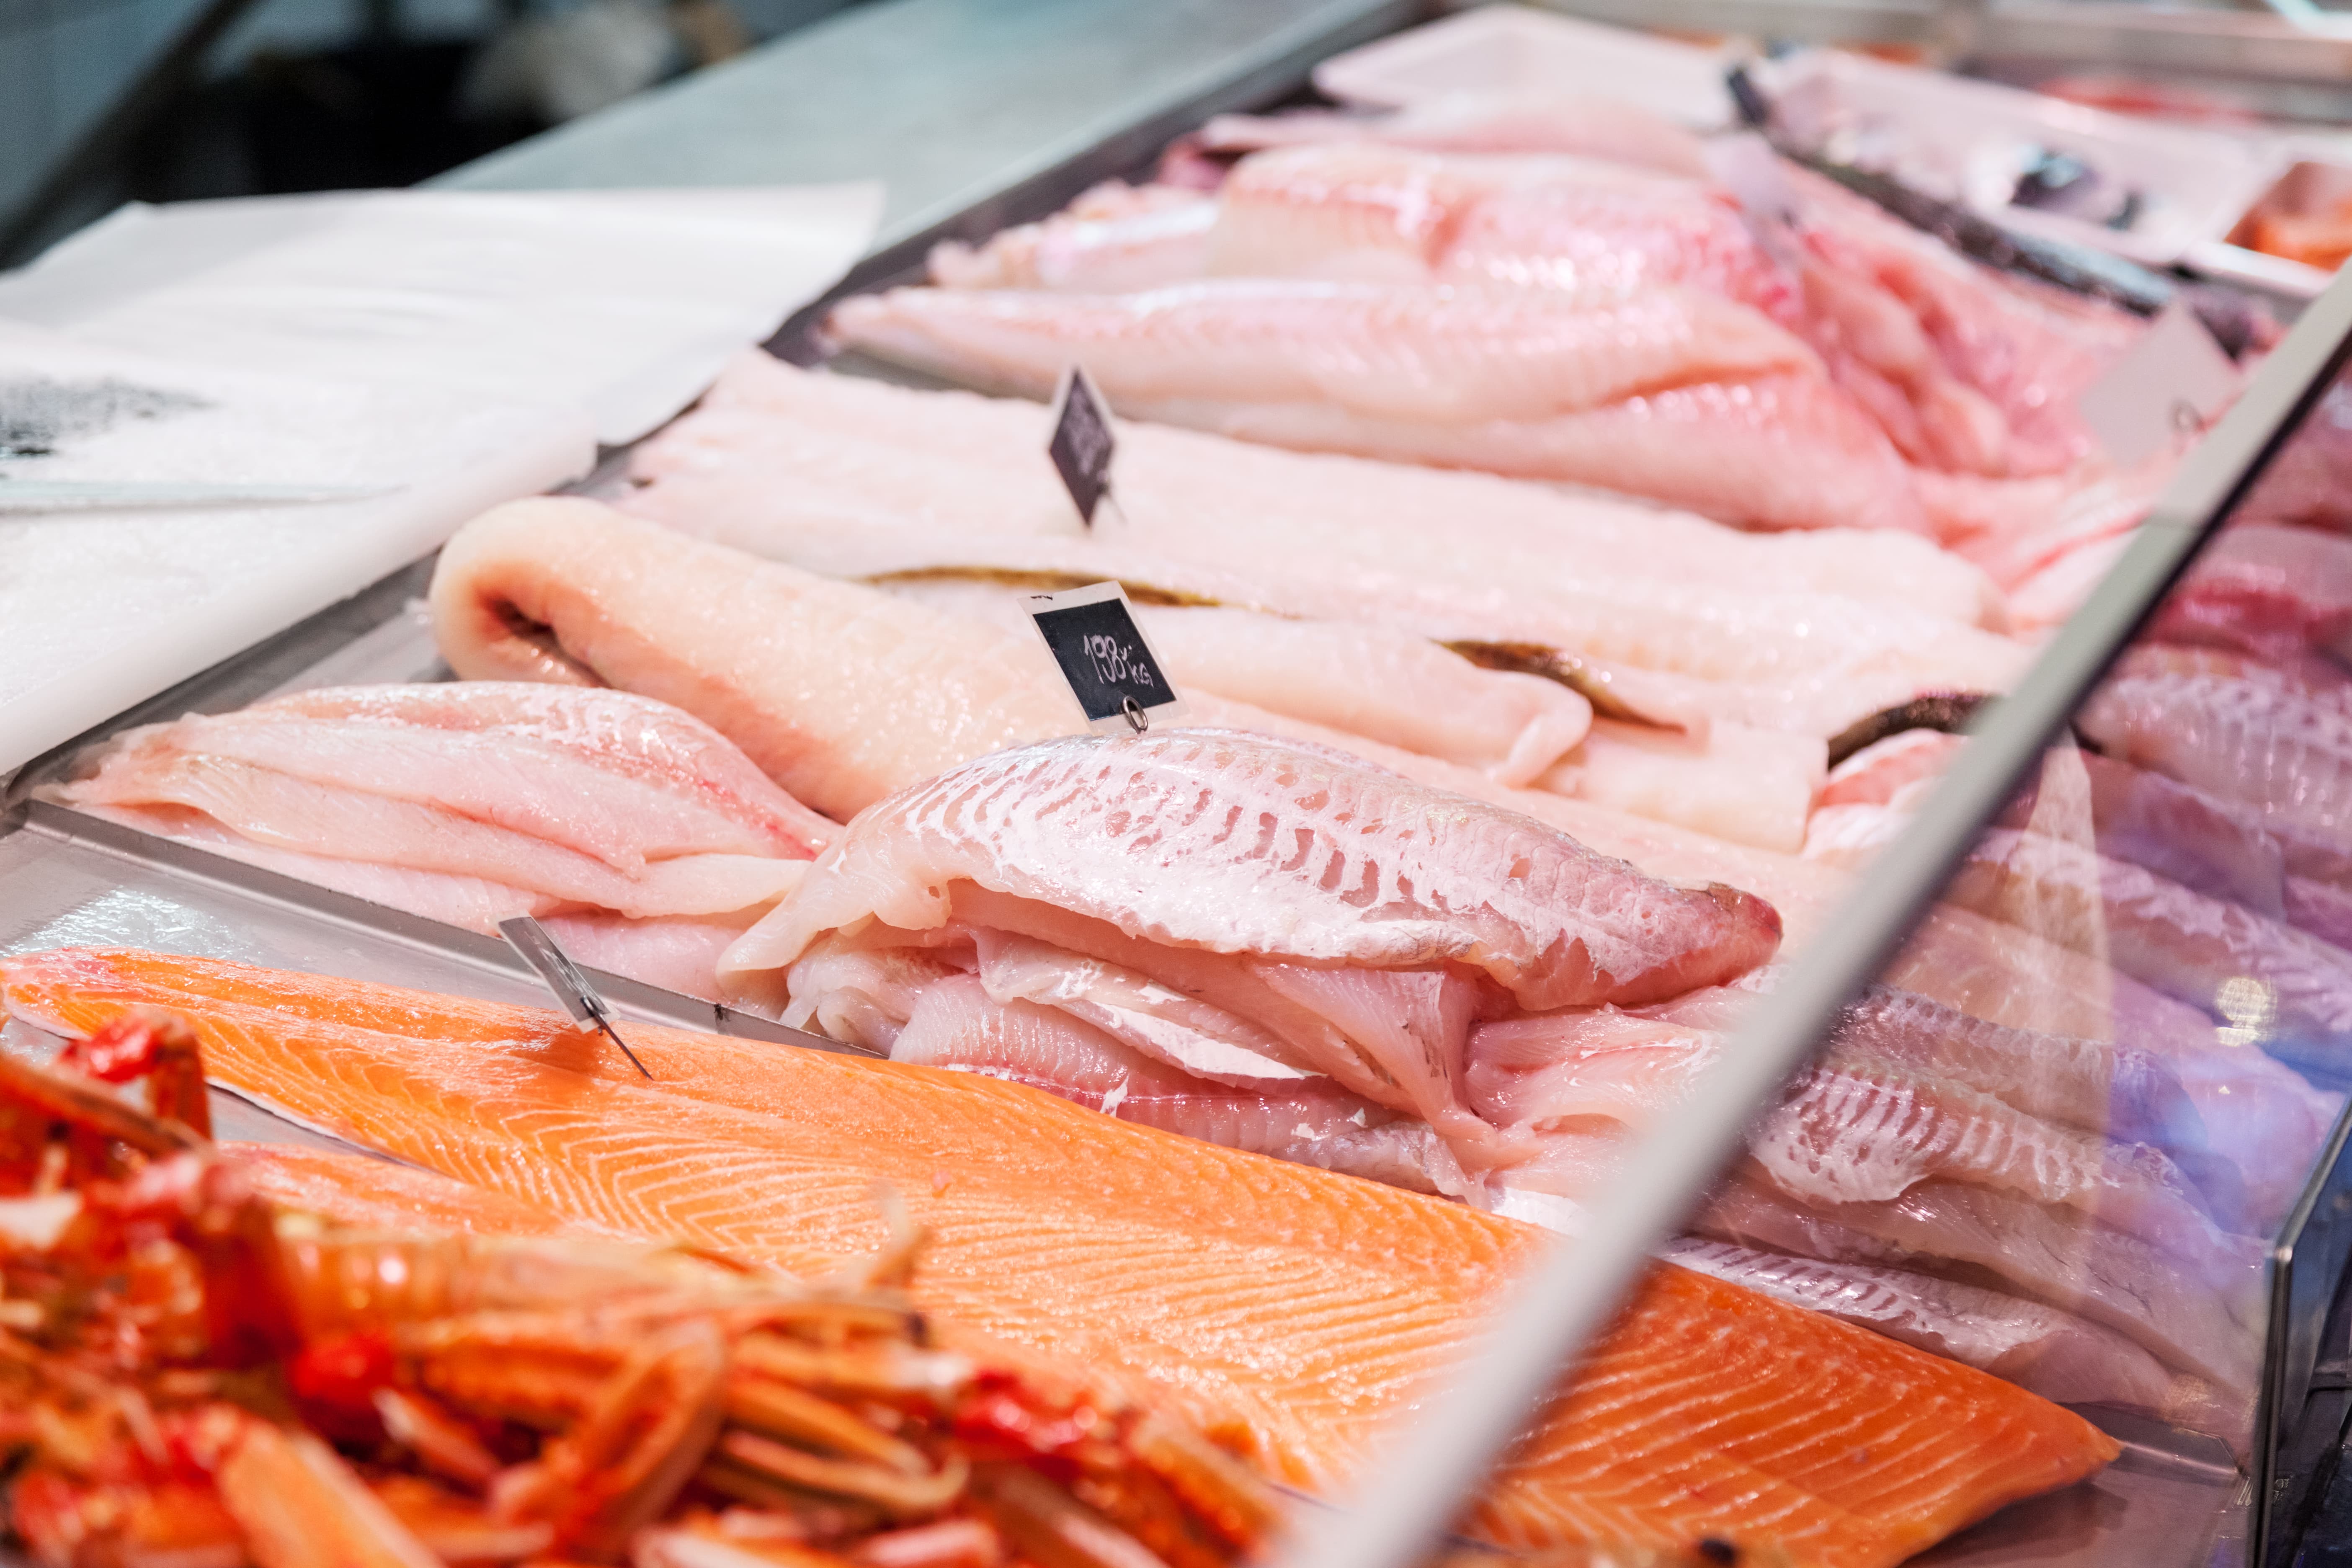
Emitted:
<point x="1481" y="121"/>
<point x="2260" y="739"/>
<point x="1611" y="389"/>
<point x="2207" y="844"/>
<point x="2311" y="480"/>
<point x="1113" y="238"/>
<point x="1380" y="353"/>
<point x="2050" y="1256"/>
<point x="2200" y="950"/>
<point x="2257" y="1113"/>
<point x="955" y="1025"/>
<point x="1376" y="213"/>
<point x="2274" y="591"/>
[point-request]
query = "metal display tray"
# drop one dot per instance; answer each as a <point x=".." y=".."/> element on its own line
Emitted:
<point x="2171" y="1501"/>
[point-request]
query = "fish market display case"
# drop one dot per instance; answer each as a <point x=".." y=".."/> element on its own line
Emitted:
<point x="2070" y="875"/>
<point x="2121" y="913"/>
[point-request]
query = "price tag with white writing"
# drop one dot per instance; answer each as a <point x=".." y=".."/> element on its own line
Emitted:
<point x="1082" y="443"/>
<point x="1113" y="672"/>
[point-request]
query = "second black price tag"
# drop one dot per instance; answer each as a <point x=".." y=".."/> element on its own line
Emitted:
<point x="1082" y="444"/>
<point x="1113" y="672"/>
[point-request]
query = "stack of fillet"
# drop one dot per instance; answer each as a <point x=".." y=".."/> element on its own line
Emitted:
<point x="305" y="1393"/>
<point x="1288" y="1312"/>
<point x="1559" y="291"/>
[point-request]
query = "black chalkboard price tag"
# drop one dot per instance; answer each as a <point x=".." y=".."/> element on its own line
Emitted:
<point x="1082" y="443"/>
<point x="1112" y="669"/>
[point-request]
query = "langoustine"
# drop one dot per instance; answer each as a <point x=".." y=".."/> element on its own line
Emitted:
<point x="1300" y="1307"/>
<point x="195" y="1374"/>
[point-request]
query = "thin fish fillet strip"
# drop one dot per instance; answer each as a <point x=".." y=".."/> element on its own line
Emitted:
<point x="1306" y="1305"/>
<point x="886" y="442"/>
<point x="1247" y="843"/>
<point x="1409" y="352"/>
<point x="1599" y="129"/>
<point x="1789" y="449"/>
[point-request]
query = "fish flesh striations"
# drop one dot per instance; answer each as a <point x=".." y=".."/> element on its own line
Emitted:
<point x="1606" y="387"/>
<point x="1961" y="370"/>
<point x="1918" y="1112"/>
<point x="1306" y="917"/>
<point x="2207" y="844"/>
<point x="1378" y="352"/>
<point x="475" y="802"/>
<point x="2276" y="593"/>
<point x="2263" y="739"/>
<point x="2185" y="1318"/>
<point x="1294" y="1307"/>
<point x="2200" y="950"/>
<point x="2258" y="1114"/>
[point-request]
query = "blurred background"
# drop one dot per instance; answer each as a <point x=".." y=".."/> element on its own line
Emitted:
<point x="107" y="100"/>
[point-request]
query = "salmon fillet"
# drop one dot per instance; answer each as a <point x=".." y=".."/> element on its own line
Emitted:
<point x="1308" y="1308"/>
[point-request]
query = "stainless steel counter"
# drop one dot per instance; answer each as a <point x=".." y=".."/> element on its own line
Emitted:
<point x="956" y="104"/>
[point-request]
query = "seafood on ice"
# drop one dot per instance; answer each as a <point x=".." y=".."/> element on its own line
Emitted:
<point x="1296" y="1311"/>
<point x="279" y="1389"/>
<point x="644" y="838"/>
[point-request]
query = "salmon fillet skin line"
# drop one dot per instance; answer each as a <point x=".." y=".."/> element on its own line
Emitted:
<point x="1305" y="1307"/>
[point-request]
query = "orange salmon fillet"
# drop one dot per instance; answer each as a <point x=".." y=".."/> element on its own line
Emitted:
<point x="1305" y="1307"/>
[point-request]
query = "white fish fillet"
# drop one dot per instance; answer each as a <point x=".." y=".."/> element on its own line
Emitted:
<point x="1307" y="536"/>
<point x="282" y="812"/>
<point x="471" y="802"/>
<point x="1289" y="852"/>
<point x="2046" y="1255"/>
<point x="1534" y="385"/>
<point x="1426" y="353"/>
<point x="1374" y="212"/>
<point x="1376" y="682"/>
<point x="838" y="693"/>
<point x="1749" y="785"/>
<point x="1483" y="121"/>
<point x="471" y="903"/>
<point x="608" y="774"/>
<point x="956" y="1025"/>
<point x="911" y="449"/>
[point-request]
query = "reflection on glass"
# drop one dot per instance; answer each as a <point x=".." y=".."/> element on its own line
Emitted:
<point x="2055" y="1138"/>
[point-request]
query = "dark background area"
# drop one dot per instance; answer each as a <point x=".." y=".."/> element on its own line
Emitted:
<point x="107" y="100"/>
